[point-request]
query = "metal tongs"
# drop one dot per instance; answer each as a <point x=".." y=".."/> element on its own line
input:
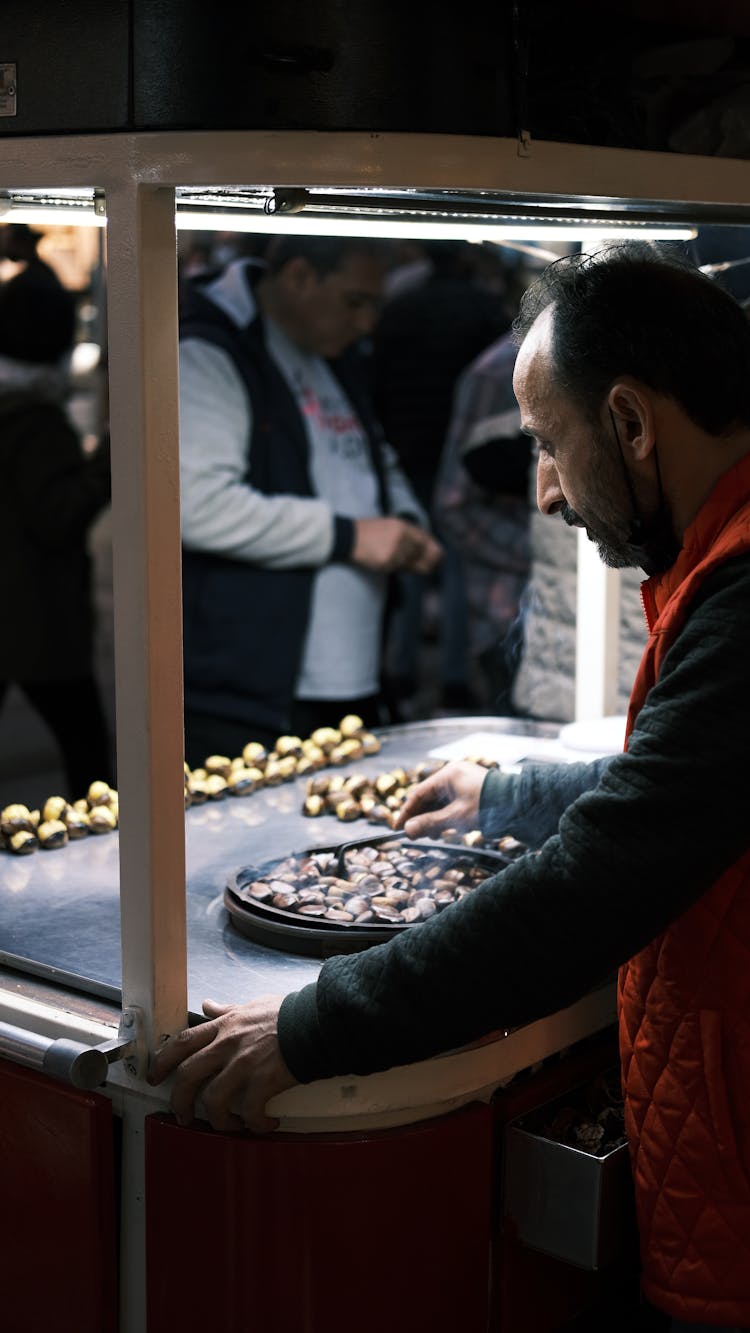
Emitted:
<point x="340" y="852"/>
<point x="424" y="844"/>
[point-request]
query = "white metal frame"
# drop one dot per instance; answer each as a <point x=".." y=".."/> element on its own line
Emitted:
<point x="597" y="633"/>
<point x="139" y="174"/>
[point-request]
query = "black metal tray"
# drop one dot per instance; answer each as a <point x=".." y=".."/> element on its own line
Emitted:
<point x="280" y="929"/>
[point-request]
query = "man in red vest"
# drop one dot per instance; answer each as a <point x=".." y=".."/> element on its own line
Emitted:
<point x="633" y="378"/>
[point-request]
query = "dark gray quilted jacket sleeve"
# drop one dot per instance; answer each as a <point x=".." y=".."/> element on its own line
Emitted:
<point x="663" y="821"/>
<point x="530" y="804"/>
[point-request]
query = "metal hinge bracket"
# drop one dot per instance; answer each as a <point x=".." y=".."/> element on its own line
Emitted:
<point x="129" y="1045"/>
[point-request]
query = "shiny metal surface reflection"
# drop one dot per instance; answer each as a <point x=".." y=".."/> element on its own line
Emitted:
<point x="59" y="910"/>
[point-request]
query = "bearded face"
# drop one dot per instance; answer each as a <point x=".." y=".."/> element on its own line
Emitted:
<point x="625" y="537"/>
<point x="585" y="472"/>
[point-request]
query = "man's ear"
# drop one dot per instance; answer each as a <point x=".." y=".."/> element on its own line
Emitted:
<point x="631" y="404"/>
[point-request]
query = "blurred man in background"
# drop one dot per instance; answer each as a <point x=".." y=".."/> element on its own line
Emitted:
<point x="294" y="508"/>
<point x="428" y="333"/>
<point x="51" y="493"/>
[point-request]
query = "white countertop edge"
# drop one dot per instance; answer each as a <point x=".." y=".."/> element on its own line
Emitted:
<point x="52" y="1020"/>
<point x="404" y="1095"/>
<point x="410" y="1093"/>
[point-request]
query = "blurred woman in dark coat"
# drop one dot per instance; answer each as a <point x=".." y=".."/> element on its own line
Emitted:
<point x="50" y="492"/>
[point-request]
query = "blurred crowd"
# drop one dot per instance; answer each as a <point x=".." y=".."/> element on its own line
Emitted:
<point x="358" y="501"/>
<point x="367" y="475"/>
<point x="52" y="492"/>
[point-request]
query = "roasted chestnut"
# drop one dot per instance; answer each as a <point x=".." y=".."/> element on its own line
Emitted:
<point x="54" y="808"/>
<point x="254" y="754"/>
<point x="101" y="819"/>
<point x="15" y="818"/>
<point x="314" y="805"/>
<point x="99" y="793"/>
<point x="23" y="842"/>
<point x="218" y="763"/>
<point x="288" y="745"/>
<point x="52" y="833"/>
<point x="351" y="725"/>
<point x="242" y="781"/>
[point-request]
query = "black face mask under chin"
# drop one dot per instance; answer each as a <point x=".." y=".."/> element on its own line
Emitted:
<point x="658" y="548"/>
<point x="652" y="541"/>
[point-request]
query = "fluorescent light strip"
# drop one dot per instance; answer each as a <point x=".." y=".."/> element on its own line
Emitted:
<point x="387" y="229"/>
<point x="298" y="225"/>
<point x="52" y="216"/>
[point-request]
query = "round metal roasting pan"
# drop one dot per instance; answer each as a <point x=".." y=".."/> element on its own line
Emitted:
<point x="280" y="929"/>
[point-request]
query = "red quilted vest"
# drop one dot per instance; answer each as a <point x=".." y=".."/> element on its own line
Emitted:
<point x="685" y="1018"/>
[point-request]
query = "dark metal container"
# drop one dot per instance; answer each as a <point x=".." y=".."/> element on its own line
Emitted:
<point x="282" y="929"/>
<point x="565" y="1202"/>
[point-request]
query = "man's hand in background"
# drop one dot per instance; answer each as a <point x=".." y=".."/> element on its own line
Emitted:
<point x="390" y="544"/>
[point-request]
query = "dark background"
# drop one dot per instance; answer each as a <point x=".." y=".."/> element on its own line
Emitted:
<point x="669" y="75"/>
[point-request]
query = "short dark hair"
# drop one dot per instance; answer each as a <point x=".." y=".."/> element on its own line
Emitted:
<point x="18" y="241"/>
<point x="324" y="253"/>
<point x="37" y="318"/>
<point x="634" y="309"/>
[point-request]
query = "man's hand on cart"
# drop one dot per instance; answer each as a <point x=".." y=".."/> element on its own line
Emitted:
<point x="447" y="799"/>
<point x="232" y="1064"/>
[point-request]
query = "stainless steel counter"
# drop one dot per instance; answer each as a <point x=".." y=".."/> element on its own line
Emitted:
<point x="60" y="967"/>
<point x="59" y="910"/>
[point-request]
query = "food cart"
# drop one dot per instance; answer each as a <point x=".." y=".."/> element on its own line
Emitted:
<point x="381" y="1195"/>
<point x="427" y="1138"/>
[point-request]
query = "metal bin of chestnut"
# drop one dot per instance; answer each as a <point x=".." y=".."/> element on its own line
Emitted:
<point x="331" y="900"/>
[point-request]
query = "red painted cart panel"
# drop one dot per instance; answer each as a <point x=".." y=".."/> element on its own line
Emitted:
<point x="323" y="1234"/>
<point x="58" y="1262"/>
